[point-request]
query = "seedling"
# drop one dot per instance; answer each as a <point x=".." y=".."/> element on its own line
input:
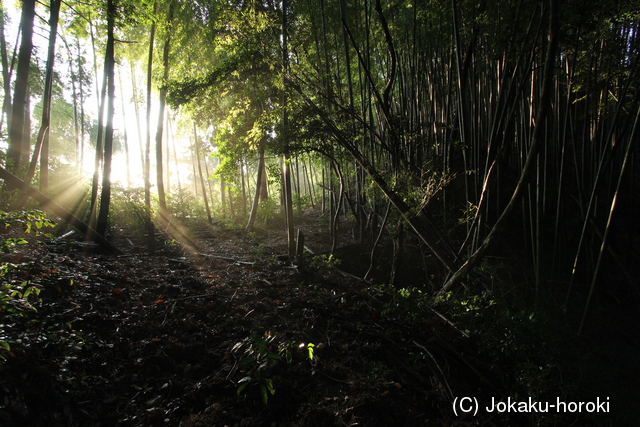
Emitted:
<point x="260" y="353"/>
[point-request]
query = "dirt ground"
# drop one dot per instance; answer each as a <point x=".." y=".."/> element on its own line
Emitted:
<point x="229" y="333"/>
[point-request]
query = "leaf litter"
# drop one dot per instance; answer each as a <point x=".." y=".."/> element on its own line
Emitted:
<point x="234" y="335"/>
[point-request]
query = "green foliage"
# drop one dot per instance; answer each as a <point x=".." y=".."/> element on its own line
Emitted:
<point x="514" y="335"/>
<point x="182" y="204"/>
<point x="267" y="209"/>
<point x="324" y="261"/>
<point x="14" y="298"/>
<point x="468" y="214"/>
<point x="405" y="302"/>
<point x="257" y="355"/>
<point x="128" y="209"/>
<point x="28" y="220"/>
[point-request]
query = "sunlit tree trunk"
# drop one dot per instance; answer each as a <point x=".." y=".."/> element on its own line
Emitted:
<point x="136" y="107"/>
<point x="81" y="99"/>
<point x="42" y="141"/>
<point x="259" y="184"/>
<point x="99" y="155"/>
<point x="243" y="185"/>
<point x="105" y="197"/>
<point x="21" y="91"/>
<point x="126" y="134"/>
<point x="43" y="135"/>
<point x="6" y="72"/>
<point x="147" y="149"/>
<point x="162" y="202"/>
<point x="196" y="143"/>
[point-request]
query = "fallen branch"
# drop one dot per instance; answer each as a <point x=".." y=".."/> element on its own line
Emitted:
<point x="224" y="258"/>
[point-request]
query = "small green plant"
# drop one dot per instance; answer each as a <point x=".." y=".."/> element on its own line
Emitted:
<point x="267" y="209"/>
<point x="14" y="299"/>
<point x="259" y="353"/>
<point x="310" y="347"/>
<point x="325" y="261"/>
<point x="405" y="302"/>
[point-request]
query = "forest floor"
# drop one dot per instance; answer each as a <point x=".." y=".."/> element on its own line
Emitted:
<point x="233" y="334"/>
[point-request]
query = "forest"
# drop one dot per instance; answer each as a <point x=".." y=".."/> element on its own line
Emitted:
<point x="319" y="212"/>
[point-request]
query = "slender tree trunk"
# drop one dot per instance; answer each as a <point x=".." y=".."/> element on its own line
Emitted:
<point x="256" y="198"/>
<point x="397" y="253"/>
<point x="74" y="97"/>
<point x="26" y="131"/>
<point x="6" y="72"/>
<point x="54" y="11"/>
<point x="81" y="94"/>
<point x="97" y="166"/>
<point x="162" y="201"/>
<point x="196" y="143"/>
<point x="105" y="197"/>
<point x="223" y="197"/>
<point x="136" y="106"/>
<point x="42" y="141"/>
<point x="243" y="184"/>
<point x="147" y="149"/>
<point x="286" y="166"/>
<point x="536" y="143"/>
<point x="403" y="208"/>
<point x="21" y="91"/>
<point x="607" y="229"/>
<point x="126" y="134"/>
<point x="175" y="160"/>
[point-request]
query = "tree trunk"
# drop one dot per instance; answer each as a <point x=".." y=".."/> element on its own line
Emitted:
<point x="43" y="134"/>
<point x="6" y="72"/>
<point x="21" y="91"/>
<point x="105" y="197"/>
<point x="286" y="166"/>
<point x="147" y="150"/>
<point x="126" y="135"/>
<point x="54" y="11"/>
<point x="259" y="181"/>
<point x="536" y="143"/>
<point x="81" y="94"/>
<point x="396" y="200"/>
<point x="97" y="166"/>
<point x="196" y="142"/>
<point x="162" y="201"/>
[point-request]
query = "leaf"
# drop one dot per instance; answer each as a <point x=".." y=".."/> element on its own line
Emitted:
<point x="310" y="349"/>
<point x="5" y="345"/>
<point x="241" y="388"/>
<point x="274" y="358"/>
<point x="264" y="394"/>
<point x="269" y="383"/>
<point x="27" y="292"/>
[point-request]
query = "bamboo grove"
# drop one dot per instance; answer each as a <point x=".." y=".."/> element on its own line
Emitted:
<point x="468" y="128"/>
